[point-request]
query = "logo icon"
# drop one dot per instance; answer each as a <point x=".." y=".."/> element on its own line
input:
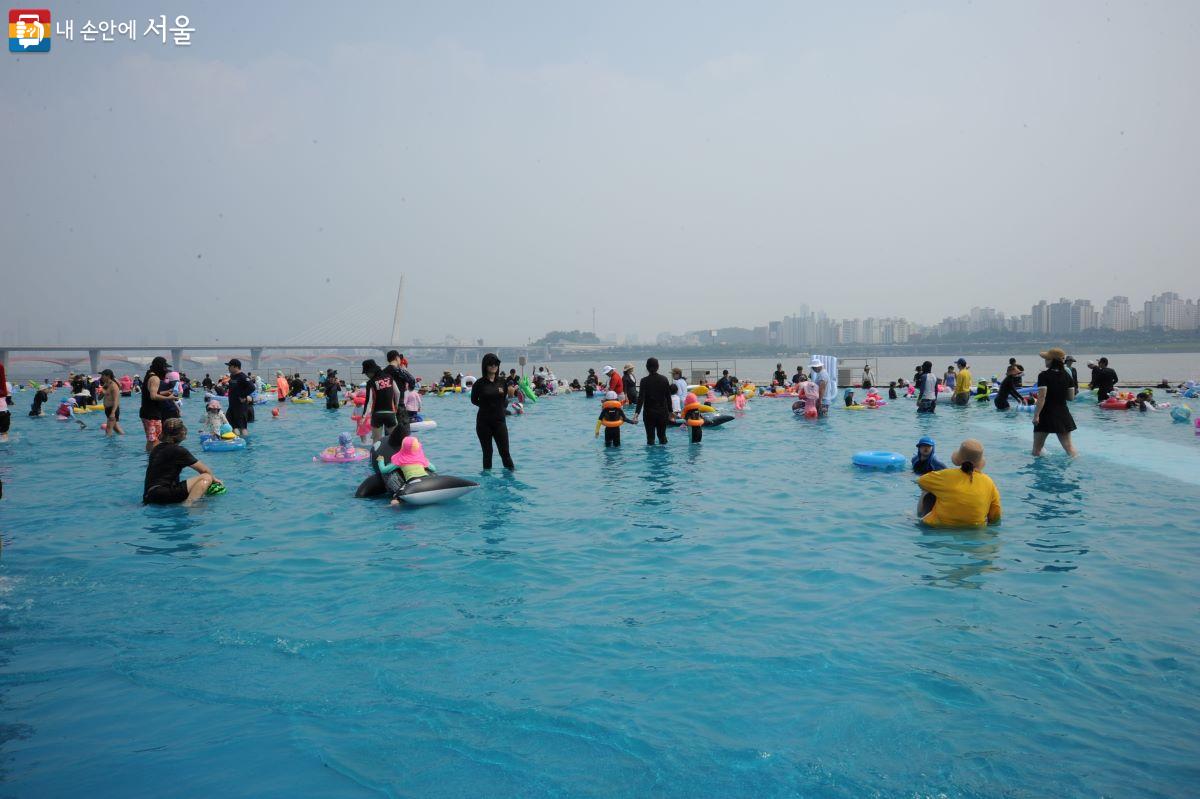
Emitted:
<point x="29" y="30"/>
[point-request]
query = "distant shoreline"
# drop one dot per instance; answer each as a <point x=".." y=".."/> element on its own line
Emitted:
<point x="857" y="351"/>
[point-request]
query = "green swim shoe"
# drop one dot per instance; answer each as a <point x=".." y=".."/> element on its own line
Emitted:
<point x="215" y="490"/>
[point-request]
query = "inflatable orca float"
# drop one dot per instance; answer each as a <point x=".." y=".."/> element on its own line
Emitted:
<point x="419" y="490"/>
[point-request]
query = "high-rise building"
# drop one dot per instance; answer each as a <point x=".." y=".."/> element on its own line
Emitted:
<point x="1117" y="315"/>
<point x="1168" y="311"/>
<point x="1060" y="317"/>
<point x="1083" y="316"/>
<point x="1040" y="316"/>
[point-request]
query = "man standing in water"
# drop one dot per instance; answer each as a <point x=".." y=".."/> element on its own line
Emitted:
<point x="1104" y="379"/>
<point x="240" y="389"/>
<point x="403" y="380"/>
<point x="962" y="385"/>
<point x="824" y="387"/>
<point x="655" y="398"/>
<point x="112" y="404"/>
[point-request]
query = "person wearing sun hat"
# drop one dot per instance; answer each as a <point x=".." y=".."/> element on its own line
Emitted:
<point x="962" y="497"/>
<point x="817" y="375"/>
<point x="615" y="383"/>
<point x="629" y="382"/>
<point x="1052" y="414"/>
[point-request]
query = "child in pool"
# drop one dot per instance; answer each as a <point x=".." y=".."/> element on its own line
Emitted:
<point x="925" y="461"/>
<point x="611" y="411"/>
<point x="848" y="396"/>
<point x="66" y="410"/>
<point x="892" y="390"/>
<point x="345" y="446"/>
<point x="408" y="463"/>
<point x="213" y="419"/>
<point x="412" y="404"/>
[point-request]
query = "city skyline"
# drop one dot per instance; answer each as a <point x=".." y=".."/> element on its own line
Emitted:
<point x="1166" y="310"/>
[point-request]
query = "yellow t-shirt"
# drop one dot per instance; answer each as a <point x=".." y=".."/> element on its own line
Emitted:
<point x="962" y="500"/>
<point x="962" y="383"/>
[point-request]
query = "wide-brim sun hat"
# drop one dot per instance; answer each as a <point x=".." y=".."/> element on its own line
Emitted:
<point x="815" y="362"/>
<point x="1054" y="354"/>
<point x="970" y="450"/>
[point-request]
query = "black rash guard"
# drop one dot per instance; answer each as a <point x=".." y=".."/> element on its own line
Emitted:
<point x="1008" y="388"/>
<point x="380" y="388"/>
<point x="490" y="396"/>
<point x="655" y="396"/>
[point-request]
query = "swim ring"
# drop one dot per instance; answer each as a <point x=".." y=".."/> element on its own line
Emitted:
<point x="211" y="444"/>
<point x="301" y="401"/>
<point x="428" y="424"/>
<point x="330" y="455"/>
<point x="1115" y="404"/>
<point x="877" y="459"/>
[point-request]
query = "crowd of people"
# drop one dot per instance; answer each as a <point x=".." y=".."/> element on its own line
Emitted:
<point x="390" y="399"/>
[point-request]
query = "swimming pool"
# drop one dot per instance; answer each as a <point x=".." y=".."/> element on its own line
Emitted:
<point x="752" y="616"/>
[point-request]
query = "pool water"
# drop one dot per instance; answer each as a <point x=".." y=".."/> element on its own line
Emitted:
<point x="752" y="616"/>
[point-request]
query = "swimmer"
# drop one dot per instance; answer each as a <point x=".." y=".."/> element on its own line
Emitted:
<point x="892" y="390"/>
<point x="40" y="398"/>
<point x="167" y="460"/>
<point x="409" y="462"/>
<point x="66" y="410"/>
<point x="213" y="419"/>
<point x="5" y="401"/>
<point x="925" y="461"/>
<point x="611" y="417"/>
<point x="692" y="417"/>
<point x="848" y="397"/>
<point x="112" y="404"/>
<point x="962" y="497"/>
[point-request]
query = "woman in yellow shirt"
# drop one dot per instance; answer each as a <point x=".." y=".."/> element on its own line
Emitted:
<point x="962" y="497"/>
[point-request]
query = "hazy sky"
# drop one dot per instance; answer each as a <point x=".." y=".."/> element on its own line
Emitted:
<point x="675" y="165"/>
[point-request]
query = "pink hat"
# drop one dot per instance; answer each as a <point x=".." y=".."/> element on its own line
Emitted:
<point x="410" y="453"/>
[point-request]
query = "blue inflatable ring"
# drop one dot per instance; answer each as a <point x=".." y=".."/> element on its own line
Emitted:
<point x="879" y="460"/>
<point x="211" y="444"/>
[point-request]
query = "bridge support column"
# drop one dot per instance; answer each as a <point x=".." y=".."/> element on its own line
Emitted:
<point x="94" y="360"/>
<point x="255" y="358"/>
<point x="177" y="358"/>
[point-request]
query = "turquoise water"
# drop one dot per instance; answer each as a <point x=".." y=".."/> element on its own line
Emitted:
<point x="747" y="617"/>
